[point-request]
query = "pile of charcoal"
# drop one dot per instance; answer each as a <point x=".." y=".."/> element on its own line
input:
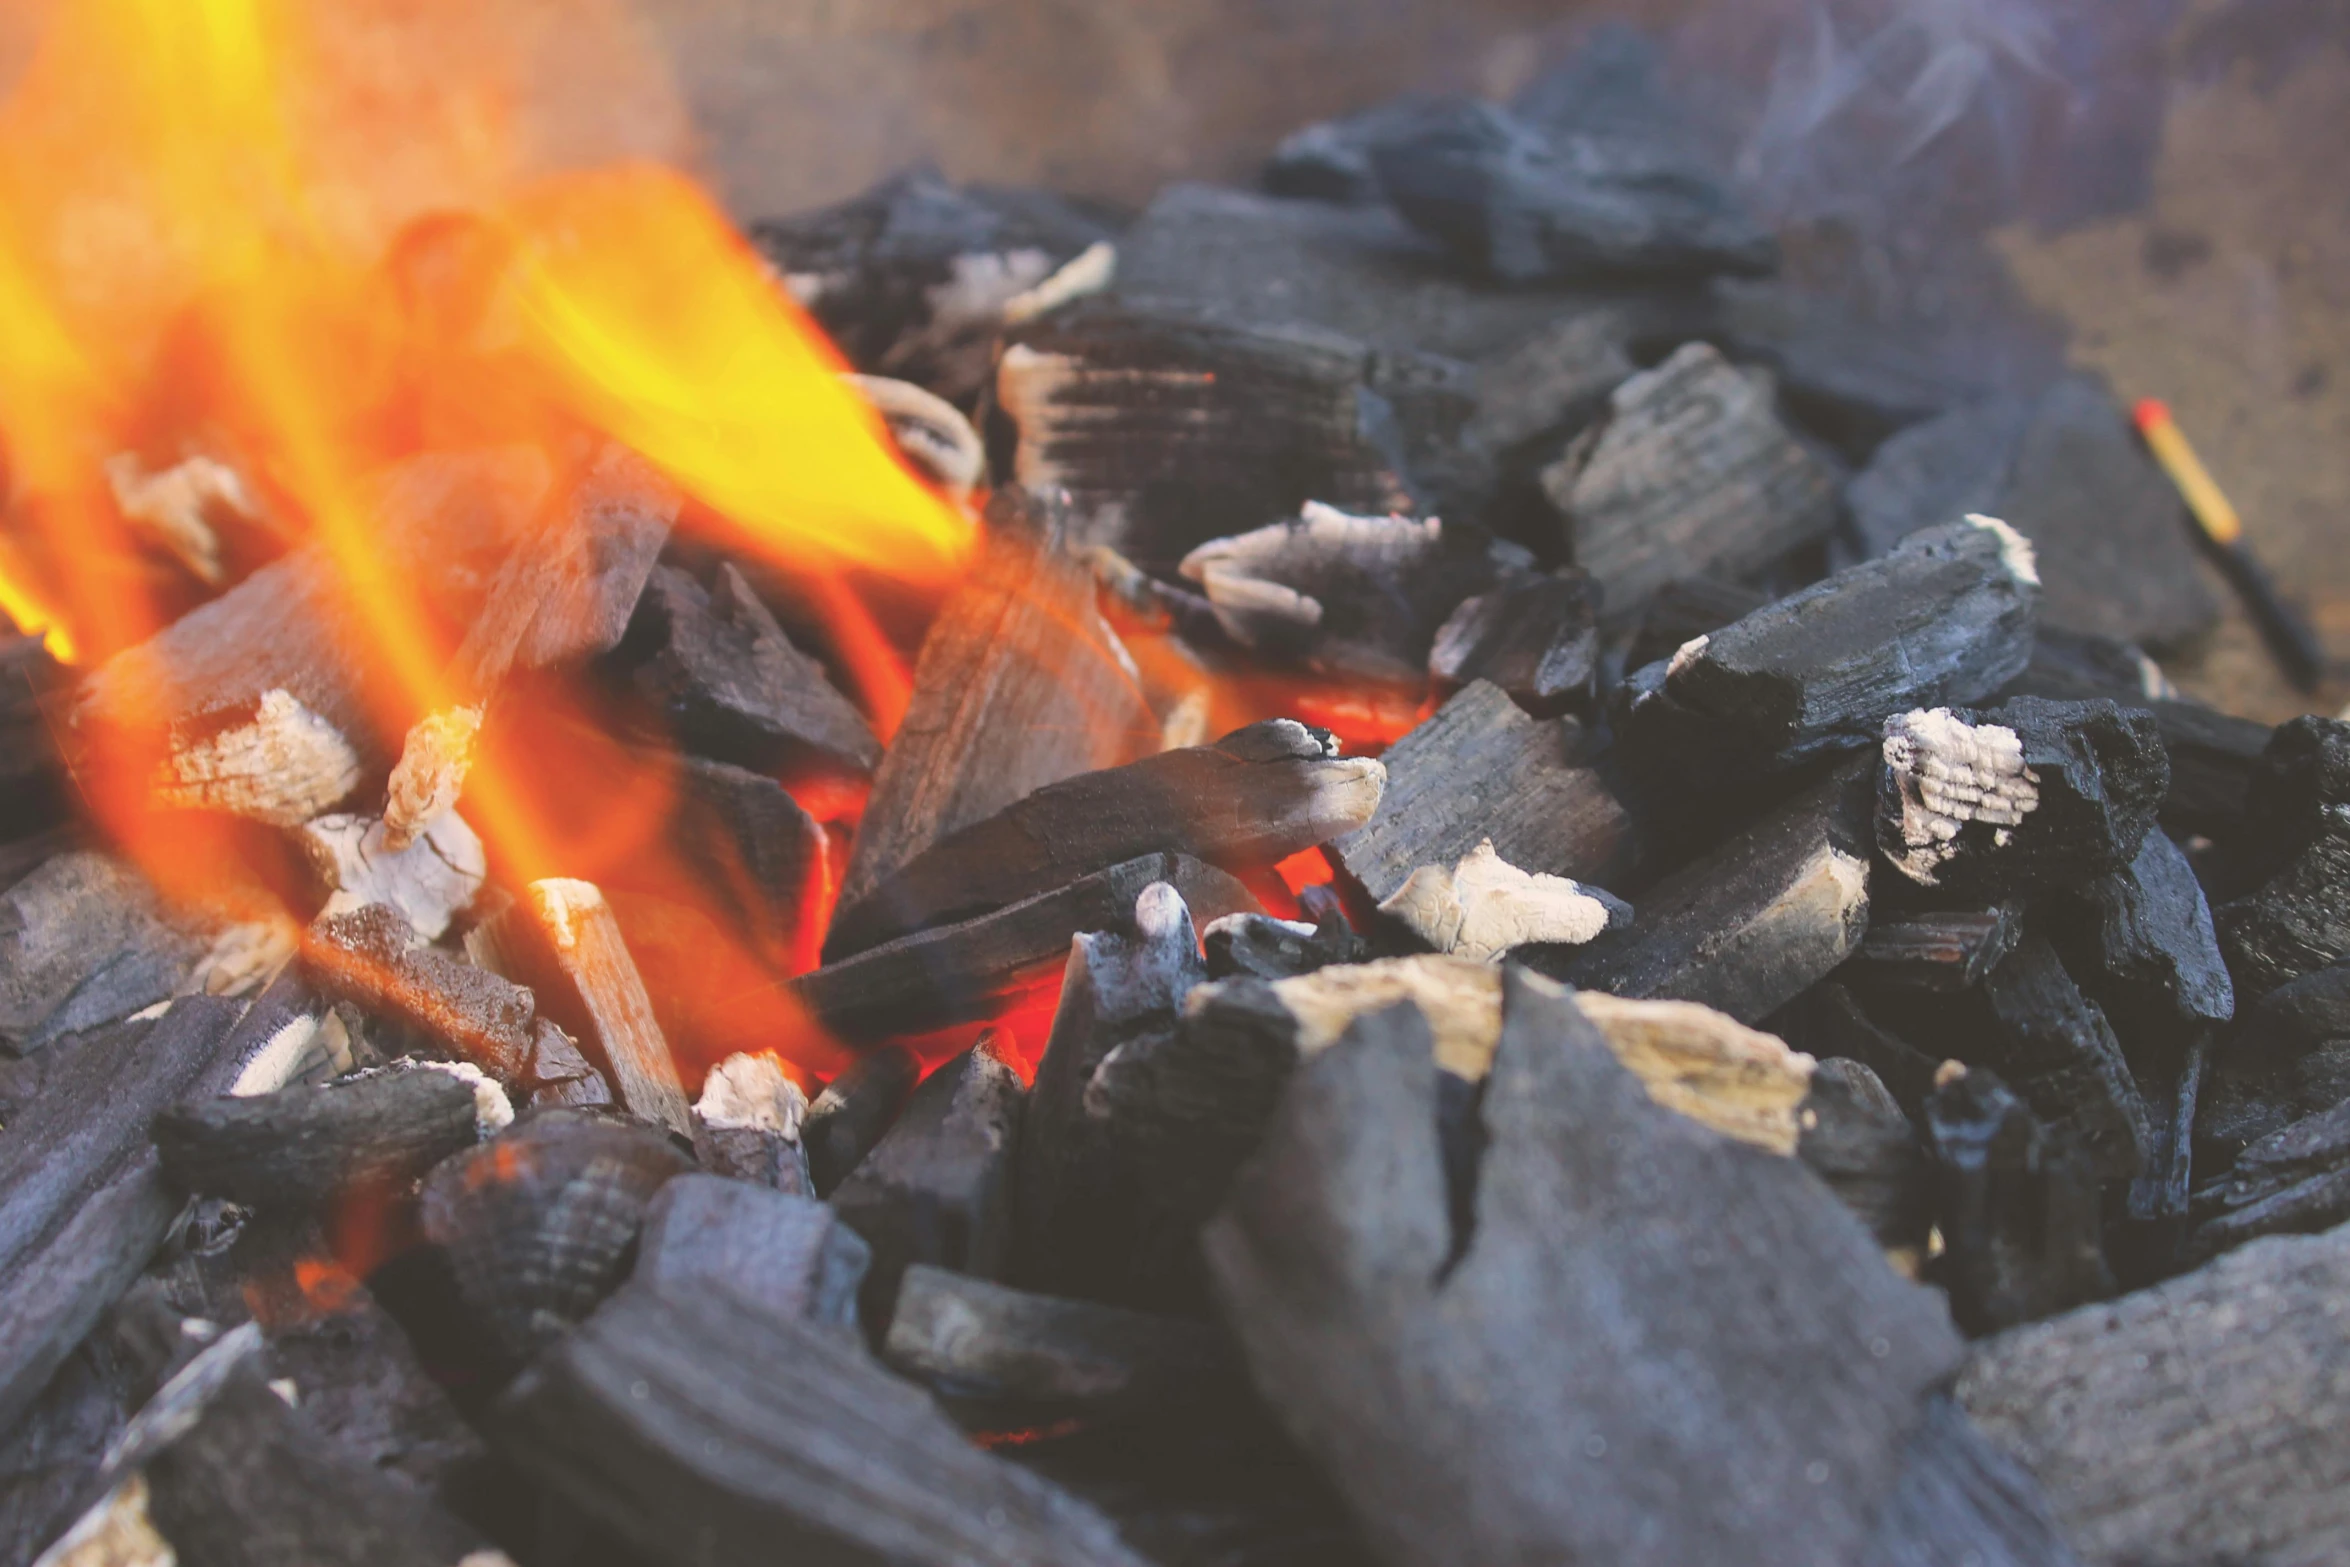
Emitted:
<point x="1796" y="1046"/>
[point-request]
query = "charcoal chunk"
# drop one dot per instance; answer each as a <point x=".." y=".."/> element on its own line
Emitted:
<point x="84" y="942"/>
<point x="777" y="1252"/>
<point x="2298" y="921"/>
<point x="1940" y="949"/>
<point x="855" y="1111"/>
<point x="2294" y="1181"/>
<point x="2018" y="1208"/>
<point x="1856" y="1138"/>
<point x="2147" y="932"/>
<point x="1267" y="948"/>
<point x="1536" y="637"/>
<point x="1409" y="1380"/>
<point x="302" y="1147"/>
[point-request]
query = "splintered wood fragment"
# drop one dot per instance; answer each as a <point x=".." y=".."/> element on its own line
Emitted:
<point x="301" y="1147"/>
<point x="1483" y="769"/>
<point x="780" y="1252"/>
<point x="373" y="957"/>
<point x="565" y="591"/>
<point x="431" y="881"/>
<point x="83" y="1202"/>
<point x="85" y="941"/>
<point x="732" y="686"/>
<point x="956" y="973"/>
<point x="588" y="983"/>
<point x="747" y="1123"/>
<point x="539" y="1223"/>
<point x="1691" y="473"/>
<point x="1414" y="1358"/>
<point x="1012" y="1358"/>
<point x="261" y="702"/>
<point x="853" y="1112"/>
<point x="1020" y="683"/>
<point x="708" y="1431"/>
<point x="1536" y="637"/>
<point x="937" y="1188"/>
<point x="1257" y="796"/>
<point x="2201" y="1420"/>
<point x="1938" y="949"/>
<point x="1484" y="907"/>
<point x="117" y="1532"/>
<point x="1752" y="924"/>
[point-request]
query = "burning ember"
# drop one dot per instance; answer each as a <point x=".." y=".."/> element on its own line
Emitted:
<point x="1368" y="871"/>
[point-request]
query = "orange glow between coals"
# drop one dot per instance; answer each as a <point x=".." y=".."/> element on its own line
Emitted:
<point x="308" y="240"/>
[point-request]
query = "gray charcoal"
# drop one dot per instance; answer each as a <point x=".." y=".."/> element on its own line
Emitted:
<point x="1536" y="637"/>
<point x="743" y="837"/>
<point x="937" y="1188"/>
<point x="1551" y="384"/>
<point x="2195" y="1422"/>
<point x="1618" y="1249"/>
<point x="1938" y="469"/>
<point x="1691" y="473"/>
<point x="1961" y="1502"/>
<point x="2308" y="1011"/>
<point x="772" y="1250"/>
<point x="84" y="942"/>
<point x="855" y="1110"/>
<point x="2256" y="1086"/>
<point x="1855" y="383"/>
<point x="373" y="957"/>
<point x="302" y="1147"/>
<point x="1269" y="948"/>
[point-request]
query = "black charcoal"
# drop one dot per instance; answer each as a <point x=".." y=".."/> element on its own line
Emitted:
<point x="747" y="1123"/>
<point x="1941" y="949"/>
<point x="2145" y="933"/>
<point x="1269" y="948"/>
<point x="2297" y="922"/>
<point x="776" y="1252"/>
<point x="84" y="941"/>
<point x="302" y="1147"/>
<point x="1536" y="637"/>
<point x="1856" y="1138"/>
<point x="2294" y="1181"/>
<point x="854" y="1112"/>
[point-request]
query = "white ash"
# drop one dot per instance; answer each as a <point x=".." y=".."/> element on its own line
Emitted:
<point x="1088" y="272"/>
<point x="280" y="767"/>
<point x="2015" y="551"/>
<point x="1948" y="773"/>
<point x="983" y="282"/>
<point x="430" y="774"/>
<point x="178" y="504"/>
<point x="493" y="1112"/>
<point x="1242" y="575"/>
<point x="1484" y="906"/>
<point x="752" y="1092"/>
<point x="930" y="431"/>
<point x="243" y="958"/>
<point x="299" y="1052"/>
<point x="431" y="881"/>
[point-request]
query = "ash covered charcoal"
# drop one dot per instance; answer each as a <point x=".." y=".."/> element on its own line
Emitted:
<point x="1483" y="769"/>
<point x="2200" y="1420"/>
<point x="774" y="1251"/>
<point x="1536" y="637"/>
<point x="706" y="1429"/>
<point x="302" y="1147"/>
<point x="2032" y="794"/>
<point x="2017" y="1204"/>
<point x="1751" y="924"/>
<point x="1483" y="908"/>
<point x="2293" y="1181"/>
<point x="915" y="277"/>
<point x="1809" y="673"/>
<point x="539" y="1223"/>
<point x="747" y="1124"/>
<point x="432" y="881"/>
<point x="937" y="1188"/>
<point x="969" y="970"/>
<point x="1170" y="429"/>
<point x="84" y="942"/>
<point x="731" y="686"/>
<point x="1691" y="472"/>
<point x="855" y="1110"/>
<point x="1819" y="1359"/>
<point x="1006" y="1358"/>
<point x="1016" y="653"/>
<point x="1361" y="597"/>
<point x="1254" y="797"/>
<point x="2066" y="470"/>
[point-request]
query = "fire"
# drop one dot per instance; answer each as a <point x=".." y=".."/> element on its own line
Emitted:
<point x="301" y="241"/>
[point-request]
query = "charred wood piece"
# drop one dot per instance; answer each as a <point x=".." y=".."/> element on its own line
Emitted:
<point x="957" y="973"/>
<point x="709" y="1431"/>
<point x="2032" y="794"/>
<point x="756" y="851"/>
<point x="1536" y="637"/>
<point x="2294" y="1181"/>
<point x="1169" y="429"/>
<point x="2200" y="1420"/>
<point x="1408" y="1373"/>
<point x="1020" y="683"/>
<point x="2296" y="922"/>
<point x="731" y="685"/>
<point x="83" y="1201"/>
<point x="1526" y="206"/>
<point x="854" y="1112"/>
<point x="1941" y="949"/>
<point x="374" y="958"/>
<point x="917" y="277"/>
<point x="747" y="1124"/>
<point x="1360" y="597"/>
<point x="539" y="1223"/>
<point x="2017" y="1205"/>
<point x="1483" y="769"/>
<point x="1004" y="1357"/>
<point x="569" y="944"/>
<point x="1268" y="948"/>
<point x="1691" y="473"/>
<point x="302" y="1147"/>
<point x="2144" y="934"/>
<point x="432" y="881"/>
<point x="773" y="1251"/>
<point x="2303" y="769"/>
<point x="1857" y="1139"/>
<point x="1809" y="674"/>
<point x="937" y="1188"/>
<point x="1484" y="908"/>
<point x="85" y="941"/>
<point x="1752" y="924"/>
<point x="1256" y="796"/>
